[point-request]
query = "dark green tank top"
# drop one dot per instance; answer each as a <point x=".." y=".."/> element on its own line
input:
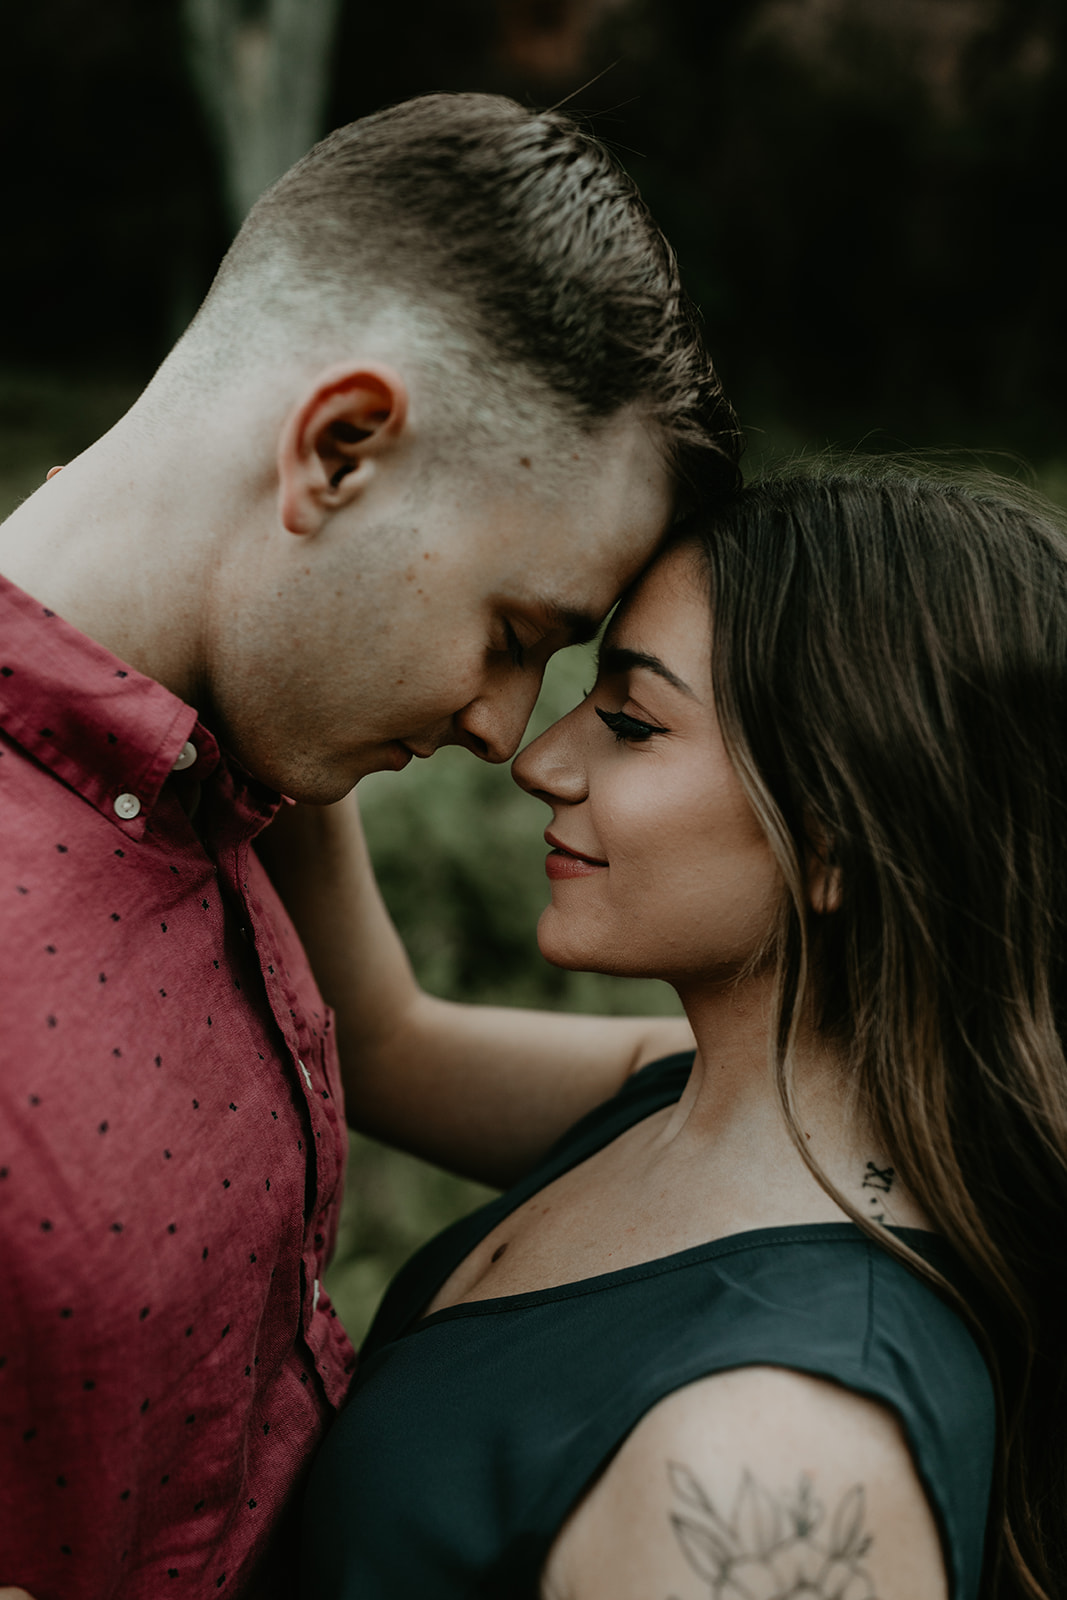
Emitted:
<point x="470" y="1435"/>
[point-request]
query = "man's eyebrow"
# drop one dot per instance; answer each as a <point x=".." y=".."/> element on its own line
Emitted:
<point x="579" y="626"/>
<point x="615" y="659"/>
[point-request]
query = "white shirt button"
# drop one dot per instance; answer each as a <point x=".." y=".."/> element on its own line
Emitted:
<point x="126" y="806"/>
<point x="315" y="1297"/>
<point x="304" y="1070"/>
<point x="187" y="757"/>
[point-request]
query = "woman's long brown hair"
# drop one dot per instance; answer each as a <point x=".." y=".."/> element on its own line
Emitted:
<point x="890" y="670"/>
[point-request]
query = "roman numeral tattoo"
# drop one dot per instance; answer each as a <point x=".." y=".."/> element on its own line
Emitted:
<point x="880" y="1178"/>
<point x="771" y="1547"/>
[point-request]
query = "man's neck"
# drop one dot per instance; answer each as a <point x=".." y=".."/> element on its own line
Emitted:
<point x="115" y="550"/>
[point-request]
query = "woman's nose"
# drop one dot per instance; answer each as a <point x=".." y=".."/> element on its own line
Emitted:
<point x="551" y="767"/>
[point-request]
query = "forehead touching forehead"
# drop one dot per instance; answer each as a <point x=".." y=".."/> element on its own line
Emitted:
<point x="669" y="597"/>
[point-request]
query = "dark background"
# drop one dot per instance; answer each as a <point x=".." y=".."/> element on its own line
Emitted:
<point x="866" y="195"/>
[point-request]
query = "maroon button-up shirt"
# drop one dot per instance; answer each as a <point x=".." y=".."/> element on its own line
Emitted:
<point x="171" y="1147"/>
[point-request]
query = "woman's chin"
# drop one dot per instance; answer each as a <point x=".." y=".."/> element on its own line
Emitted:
<point x="564" y="946"/>
<point x="559" y="946"/>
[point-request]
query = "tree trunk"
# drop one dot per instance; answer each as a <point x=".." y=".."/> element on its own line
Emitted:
<point x="263" y="74"/>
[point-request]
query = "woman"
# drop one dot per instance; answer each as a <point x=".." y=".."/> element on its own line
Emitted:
<point x="781" y="1317"/>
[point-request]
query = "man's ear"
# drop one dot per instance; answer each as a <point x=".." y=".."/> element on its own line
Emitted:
<point x="332" y="439"/>
<point x="824" y="873"/>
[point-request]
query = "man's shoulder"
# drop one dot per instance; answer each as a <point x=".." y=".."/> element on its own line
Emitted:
<point x="56" y="850"/>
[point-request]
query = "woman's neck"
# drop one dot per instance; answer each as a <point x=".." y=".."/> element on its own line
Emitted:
<point x="730" y="1118"/>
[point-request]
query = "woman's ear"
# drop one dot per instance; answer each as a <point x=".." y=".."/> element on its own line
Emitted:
<point x="332" y="440"/>
<point x="824" y="872"/>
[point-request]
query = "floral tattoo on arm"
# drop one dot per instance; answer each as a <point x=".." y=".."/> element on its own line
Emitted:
<point x="772" y="1547"/>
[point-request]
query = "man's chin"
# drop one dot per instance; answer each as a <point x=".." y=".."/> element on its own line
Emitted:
<point x="322" y="783"/>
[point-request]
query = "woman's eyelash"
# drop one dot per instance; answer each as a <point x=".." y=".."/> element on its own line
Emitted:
<point x="627" y="729"/>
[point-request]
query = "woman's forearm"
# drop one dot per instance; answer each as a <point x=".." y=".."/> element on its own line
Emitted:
<point x="484" y="1090"/>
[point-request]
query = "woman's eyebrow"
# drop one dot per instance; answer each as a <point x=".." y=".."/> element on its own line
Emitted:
<point x="615" y="659"/>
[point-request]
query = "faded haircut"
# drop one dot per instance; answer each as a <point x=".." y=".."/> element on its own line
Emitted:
<point x="517" y="245"/>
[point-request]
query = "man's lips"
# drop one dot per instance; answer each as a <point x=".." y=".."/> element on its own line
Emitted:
<point x="563" y="862"/>
<point x="420" y="752"/>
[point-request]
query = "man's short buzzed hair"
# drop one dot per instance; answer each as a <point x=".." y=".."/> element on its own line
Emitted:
<point x="515" y="230"/>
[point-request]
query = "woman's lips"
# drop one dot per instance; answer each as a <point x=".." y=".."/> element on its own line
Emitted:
<point x="564" y="863"/>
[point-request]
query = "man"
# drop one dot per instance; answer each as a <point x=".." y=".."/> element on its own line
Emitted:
<point x="432" y="417"/>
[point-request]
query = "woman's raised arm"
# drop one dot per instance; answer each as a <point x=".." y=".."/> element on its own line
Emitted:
<point x="483" y="1090"/>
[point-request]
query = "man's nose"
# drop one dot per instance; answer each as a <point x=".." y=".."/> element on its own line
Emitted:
<point x="493" y="724"/>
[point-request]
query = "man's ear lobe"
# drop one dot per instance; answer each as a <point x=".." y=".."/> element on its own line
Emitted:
<point x="332" y="439"/>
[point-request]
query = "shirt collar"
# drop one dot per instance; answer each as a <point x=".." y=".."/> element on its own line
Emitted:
<point x="110" y="733"/>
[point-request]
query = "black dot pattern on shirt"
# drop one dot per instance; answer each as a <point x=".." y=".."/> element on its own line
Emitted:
<point x="217" y="980"/>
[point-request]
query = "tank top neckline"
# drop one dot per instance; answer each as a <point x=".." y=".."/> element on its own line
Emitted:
<point x="657" y="1084"/>
<point x="922" y="1240"/>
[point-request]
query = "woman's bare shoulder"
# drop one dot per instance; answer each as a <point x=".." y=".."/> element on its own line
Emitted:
<point x="754" y="1483"/>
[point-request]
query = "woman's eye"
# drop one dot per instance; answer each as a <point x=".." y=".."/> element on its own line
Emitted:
<point x="627" y="729"/>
